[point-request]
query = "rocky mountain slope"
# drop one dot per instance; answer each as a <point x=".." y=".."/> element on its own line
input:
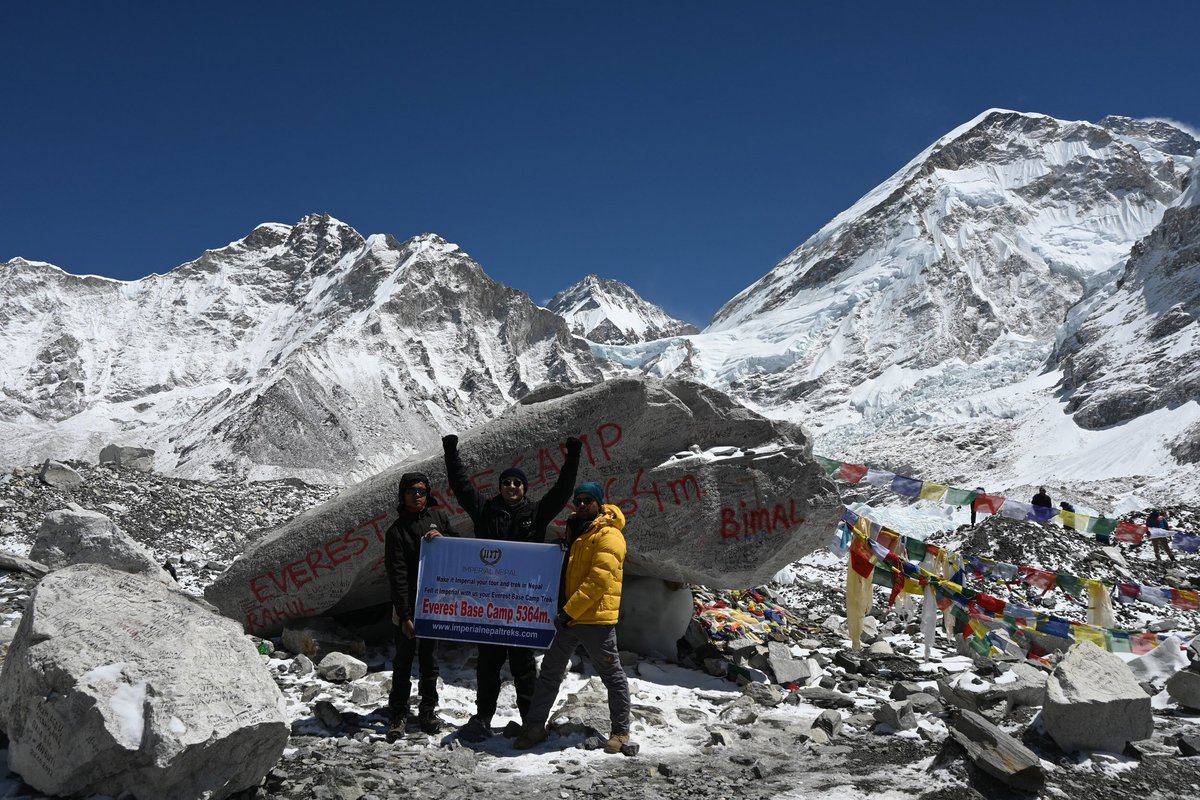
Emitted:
<point x="1137" y="348"/>
<point x="300" y="350"/>
<point x="608" y="311"/>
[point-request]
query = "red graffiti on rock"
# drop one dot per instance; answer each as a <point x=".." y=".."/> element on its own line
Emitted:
<point x="751" y="523"/>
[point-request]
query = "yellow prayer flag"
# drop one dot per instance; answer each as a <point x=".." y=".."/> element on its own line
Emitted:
<point x="1086" y="633"/>
<point x="933" y="491"/>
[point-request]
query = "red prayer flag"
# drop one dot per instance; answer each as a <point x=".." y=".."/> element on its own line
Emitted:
<point x="860" y="557"/>
<point x="988" y="502"/>
<point x="850" y="473"/>
<point x="1182" y="598"/>
<point x="1038" y="578"/>
<point x="993" y="604"/>
<point x="889" y="539"/>
<point x="1129" y="533"/>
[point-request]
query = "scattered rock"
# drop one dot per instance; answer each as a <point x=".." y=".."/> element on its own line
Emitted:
<point x="898" y="716"/>
<point x="341" y="668"/>
<point x="1184" y="688"/>
<point x="117" y="669"/>
<point x="997" y="753"/>
<point x="139" y="458"/>
<point x="60" y="476"/>
<point x="77" y="536"/>
<point x="1094" y="703"/>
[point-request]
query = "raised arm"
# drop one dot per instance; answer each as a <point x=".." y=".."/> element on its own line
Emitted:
<point x="556" y="499"/>
<point x="456" y="475"/>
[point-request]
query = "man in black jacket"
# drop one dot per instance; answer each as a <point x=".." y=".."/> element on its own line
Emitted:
<point x="401" y="556"/>
<point x="509" y="516"/>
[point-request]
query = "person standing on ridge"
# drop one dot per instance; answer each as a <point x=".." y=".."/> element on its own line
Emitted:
<point x="1160" y="535"/>
<point x="590" y="598"/>
<point x="418" y="522"/>
<point x="1041" y="499"/>
<point x="509" y="516"/>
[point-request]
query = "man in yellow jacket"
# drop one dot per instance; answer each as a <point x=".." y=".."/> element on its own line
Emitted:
<point x="591" y="588"/>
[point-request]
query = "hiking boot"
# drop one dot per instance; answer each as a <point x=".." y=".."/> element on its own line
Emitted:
<point x="397" y="725"/>
<point x="616" y="742"/>
<point x="428" y="721"/>
<point x="531" y="737"/>
<point x="475" y="731"/>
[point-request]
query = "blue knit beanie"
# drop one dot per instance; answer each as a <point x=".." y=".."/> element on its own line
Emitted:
<point x="593" y="488"/>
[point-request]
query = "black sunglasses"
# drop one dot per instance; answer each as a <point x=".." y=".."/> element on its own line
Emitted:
<point x="583" y="501"/>
<point x="417" y="492"/>
<point x="510" y="482"/>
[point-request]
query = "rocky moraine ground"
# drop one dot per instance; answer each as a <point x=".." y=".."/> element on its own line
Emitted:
<point x="717" y="724"/>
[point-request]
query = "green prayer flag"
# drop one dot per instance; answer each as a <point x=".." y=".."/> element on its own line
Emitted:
<point x="828" y="464"/>
<point x="916" y="549"/>
<point x="1102" y="525"/>
<point x="1069" y="583"/>
<point x="882" y="576"/>
<point x="959" y="497"/>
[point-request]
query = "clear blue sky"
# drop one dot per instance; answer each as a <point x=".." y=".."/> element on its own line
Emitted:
<point x="684" y="148"/>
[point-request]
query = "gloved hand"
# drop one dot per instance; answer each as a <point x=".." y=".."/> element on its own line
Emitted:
<point x="449" y="443"/>
<point x="563" y="619"/>
<point x="573" y="445"/>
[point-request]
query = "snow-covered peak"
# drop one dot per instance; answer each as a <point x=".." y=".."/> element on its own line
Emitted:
<point x="610" y="312"/>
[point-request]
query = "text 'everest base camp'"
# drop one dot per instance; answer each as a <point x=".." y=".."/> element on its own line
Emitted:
<point x="188" y="618"/>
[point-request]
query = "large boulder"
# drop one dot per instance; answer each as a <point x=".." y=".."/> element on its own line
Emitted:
<point x="1023" y="685"/>
<point x="138" y="458"/>
<point x="713" y="493"/>
<point x="60" y="476"/>
<point x="77" y="536"/>
<point x="1093" y="702"/>
<point x="653" y="635"/>
<point x="1184" y="688"/>
<point x="116" y="684"/>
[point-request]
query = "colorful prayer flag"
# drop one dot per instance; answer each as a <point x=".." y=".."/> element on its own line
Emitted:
<point x="934" y="492"/>
<point x="828" y="464"/>
<point x="990" y="503"/>
<point x="1129" y="532"/>
<point x="905" y="486"/>
<point x="850" y="473"/>
<point x="958" y="497"/>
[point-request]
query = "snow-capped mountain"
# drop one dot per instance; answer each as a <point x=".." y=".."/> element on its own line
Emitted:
<point x="608" y="311"/>
<point x="300" y="350"/>
<point x="1138" y="348"/>
<point x="915" y="327"/>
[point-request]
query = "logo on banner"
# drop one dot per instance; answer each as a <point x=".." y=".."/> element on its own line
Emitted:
<point x="490" y="555"/>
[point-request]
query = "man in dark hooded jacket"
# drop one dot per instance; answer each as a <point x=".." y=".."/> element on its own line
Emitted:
<point x="508" y="516"/>
<point x="418" y="522"/>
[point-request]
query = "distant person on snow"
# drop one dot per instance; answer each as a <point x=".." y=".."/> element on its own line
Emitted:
<point x="418" y="522"/>
<point x="1041" y="499"/>
<point x="513" y="517"/>
<point x="1160" y="534"/>
<point x="589" y="603"/>
<point x="975" y="503"/>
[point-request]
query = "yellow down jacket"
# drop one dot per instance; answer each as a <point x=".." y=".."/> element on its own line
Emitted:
<point x="595" y="570"/>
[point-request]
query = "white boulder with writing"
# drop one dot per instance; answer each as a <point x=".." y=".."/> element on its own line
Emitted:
<point x="119" y="685"/>
<point x="1093" y="702"/>
<point x="76" y="536"/>
<point x="712" y="492"/>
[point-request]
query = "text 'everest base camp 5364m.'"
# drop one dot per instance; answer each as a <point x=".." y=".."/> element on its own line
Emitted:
<point x="917" y="514"/>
